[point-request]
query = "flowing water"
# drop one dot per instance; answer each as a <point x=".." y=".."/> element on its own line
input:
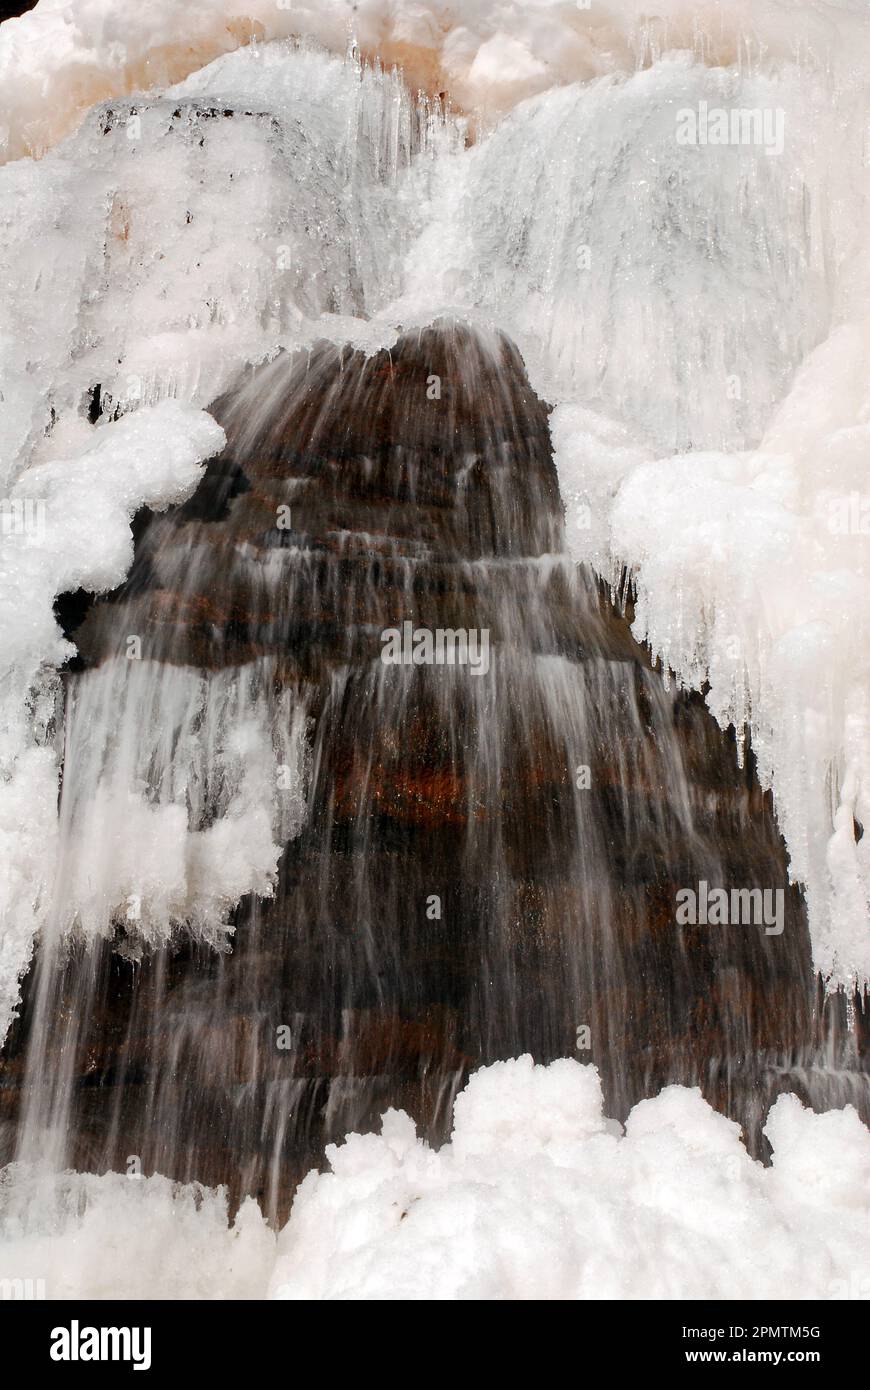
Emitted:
<point x="474" y="863"/>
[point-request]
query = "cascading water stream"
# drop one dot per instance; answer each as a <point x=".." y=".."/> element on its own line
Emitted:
<point x="474" y="863"/>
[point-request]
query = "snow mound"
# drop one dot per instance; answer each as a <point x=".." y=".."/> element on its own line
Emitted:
<point x="538" y="1196"/>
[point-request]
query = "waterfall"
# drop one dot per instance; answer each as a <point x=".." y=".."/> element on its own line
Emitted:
<point x="436" y="866"/>
<point x="407" y="633"/>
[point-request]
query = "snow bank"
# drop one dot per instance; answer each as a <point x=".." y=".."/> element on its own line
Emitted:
<point x="66" y="55"/>
<point x="537" y="1196"/>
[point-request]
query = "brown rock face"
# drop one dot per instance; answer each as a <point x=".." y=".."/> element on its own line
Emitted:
<point x="489" y="859"/>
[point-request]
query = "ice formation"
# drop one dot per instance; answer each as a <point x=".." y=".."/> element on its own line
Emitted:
<point x="74" y="532"/>
<point x="66" y="55"/>
<point x="537" y="1196"/>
